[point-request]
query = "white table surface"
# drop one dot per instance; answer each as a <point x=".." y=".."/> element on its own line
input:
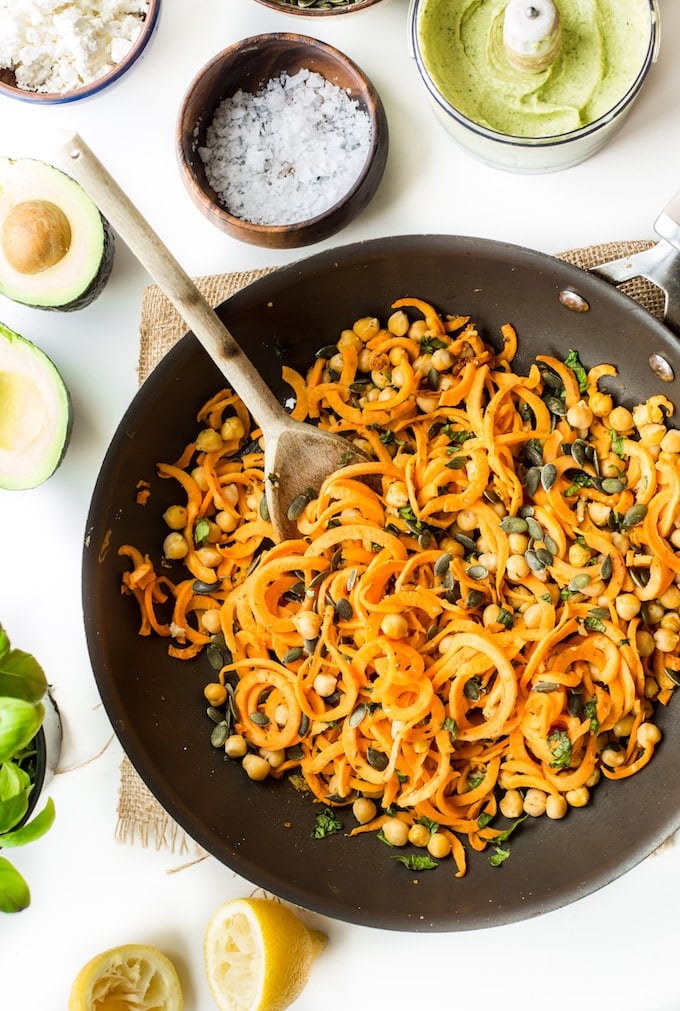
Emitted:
<point x="617" y="947"/>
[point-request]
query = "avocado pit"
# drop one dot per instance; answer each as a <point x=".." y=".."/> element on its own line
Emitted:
<point x="36" y="235"/>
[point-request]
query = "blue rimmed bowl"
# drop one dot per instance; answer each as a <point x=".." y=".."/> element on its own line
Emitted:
<point x="9" y="87"/>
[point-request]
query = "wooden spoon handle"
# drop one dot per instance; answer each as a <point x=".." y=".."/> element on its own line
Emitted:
<point x="83" y="165"/>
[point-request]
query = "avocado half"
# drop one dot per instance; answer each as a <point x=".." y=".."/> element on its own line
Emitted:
<point x="36" y="415"/>
<point x="56" y="249"/>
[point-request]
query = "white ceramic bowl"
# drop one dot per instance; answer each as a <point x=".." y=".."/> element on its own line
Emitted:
<point x="529" y="154"/>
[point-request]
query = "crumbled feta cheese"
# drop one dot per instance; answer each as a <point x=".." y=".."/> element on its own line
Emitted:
<point x="56" y="46"/>
<point x="287" y="153"/>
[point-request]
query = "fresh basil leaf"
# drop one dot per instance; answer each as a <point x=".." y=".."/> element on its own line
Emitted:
<point x="417" y="862"/>
<point x="19" y="723"/>
<point x="14" y="892"/>
<point x="21" y="676"/>
<point x="33" y="829"/>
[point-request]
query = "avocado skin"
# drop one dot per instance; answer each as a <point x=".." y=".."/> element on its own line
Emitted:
<point x="98" y="282"/>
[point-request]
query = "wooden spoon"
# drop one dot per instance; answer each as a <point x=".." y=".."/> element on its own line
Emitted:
<point x="298" y="457"/>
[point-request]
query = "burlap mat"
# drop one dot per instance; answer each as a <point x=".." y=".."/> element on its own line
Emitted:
<point x="140" y="817"/>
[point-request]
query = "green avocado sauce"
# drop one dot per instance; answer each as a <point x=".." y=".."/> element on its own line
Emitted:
<point x="604" y="46"/>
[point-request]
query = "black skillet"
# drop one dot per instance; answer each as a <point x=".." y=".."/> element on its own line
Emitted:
<point x="156" y="705"/>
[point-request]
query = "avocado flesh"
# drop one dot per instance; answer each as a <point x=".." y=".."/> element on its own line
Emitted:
<point x="36" y="416"/>
<point x="80" y="275"/>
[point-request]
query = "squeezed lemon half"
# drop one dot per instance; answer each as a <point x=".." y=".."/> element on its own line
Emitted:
<point x="258" y="955"/>
<point x="131" y="976"/>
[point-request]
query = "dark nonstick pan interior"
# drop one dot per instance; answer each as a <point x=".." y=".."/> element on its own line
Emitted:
<point x="155" y="704"/>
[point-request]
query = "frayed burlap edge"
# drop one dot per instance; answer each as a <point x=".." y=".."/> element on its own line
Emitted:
<point x="141" y="818"/>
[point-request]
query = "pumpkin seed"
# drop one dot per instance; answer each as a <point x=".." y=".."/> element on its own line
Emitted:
<point x="634" y="515"/>
<point x="534" y="529"/>
<point x="544" y="556"/>
<point x="216" y="715"/>
<point x="579" y="582"/>
<point x="532" y="480"/>
<point x="343" y="609"/>
<point x="514" y="525"/>
<point x="640" y="577"/>
<point x="219" y="735"/>
<point x="259" y="719"/>
<point x="467" y="542"/>
<point x="574" y="703"/>
<point x="550" y="544"/>
<point x="297" y="590"/>
<point x="525" y="511"/>
<point x="199" y="586"/>
<point x="533" y="561"/>
<point x="491" y="496"/>
<point x="299" y="504"/>
<point x="612" y="486"/>
<point x="548" y="476"/>
<point x="351" y="579"/>
<point x="378" y="760"/>
<point x="478" y="572"/>
<point x="555" y="406"/>
<point x="674" y="675"/>
<point x="357" y="714"/>
<point x="328" y="350"/>
<point x="606" y="568"/>
<point x="304" y="725"/>
<point x="217" y="655"/>
<point x="263" y="508"/>
<point x="552" y="380"/>
<point x="336" y="559"/>
<point x="475" y="598"/>
<point x="599" y="613"/>
<point x="424" y="540"/>
<point x="433" y="379"/>
<point x="457" y="463"/>
<point x="545" y="686"/>
<point x="293" y="654"/>
<point x="534" y="452"/>
<point x="441" y="566"/>
<point x="579" y="451"/>
<point x="318" y="579"/>
<point x="295" y="753"/>
<point x="472" y="689"/>
<point x="431" y="632"/>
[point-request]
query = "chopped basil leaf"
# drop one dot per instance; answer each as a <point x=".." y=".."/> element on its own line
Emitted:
<point x="325" y="824"/>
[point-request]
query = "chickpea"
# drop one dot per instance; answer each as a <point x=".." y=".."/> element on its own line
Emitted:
<point x="210" y="557"/>
<point x="256" y="767"/>
<point x="417" y="329"/>
<point x="518" y="543"/>
<point x="452" y="547"/>
<point x="671" y="621"/>
<point x="308" y="624"/>
<point x="627" y="606"/>
<point x="281" y="715"/>
<point x="398" y="323"/>
<point x="675" y="538"/>
<point x="666" y="640"/>
<point x="419" y="835"/>
<point x="648" y="734"/>
<point x="198" y="474"/>
<point x="613" y="757"/>
<point x="599" y="513"/>
<point x="490" y="614"/>
<point x="394" y="626"/>
<point x="273" y="758"/>
<point x="350" y="339"/>
<point x="489" y="559"/>
<point x="232" y="429"/>
<point x="623" y="727"/>
<point x="442" y="360"/>
<point x="364" y="360"/>
<point x="208" y="441"/>
<point x="593" y="779"/>
<point x="395" y="832"/>
<point x="364" y="810"/>
<point x="556" y="807"/>
<point x="534" y="802"/>
<point x="579" y="555"/>
<point x="670" y="598"/>
<point x="511" y="804"/>
<point x="227" y="521"/>
<point x="620" y="419"/>
<point x="175" y="517"/>
<point x="439" y="846"/>
<point x="467" y="521"/>
<point x="644" y="643"/>
<point x="235" y="746"/>
<point x="427" y="404"/>
<point x="652" y="435"/>
<point x="396" y="496"/>
<point x="580" y="415"/>
<point x="579" y="797"/>
<point x="211" y="621"/>
<point x="671" y="441"/>
<point x="516" y="568"/>
<point x="215" y="693"/>
<point x="175" y="546"/>
<point x="366" y="327"/>
<point x="325" y="685"/>
<point x="532" y="616"/>
<point x="600" y="404"/>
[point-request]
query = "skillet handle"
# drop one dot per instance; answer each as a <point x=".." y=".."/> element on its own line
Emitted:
<point x="667" y="225"/>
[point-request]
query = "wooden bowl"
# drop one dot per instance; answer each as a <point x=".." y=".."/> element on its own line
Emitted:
<point x="332" y="10"/>
<point x="249" y="65"/>
<point x="8" y="83"/>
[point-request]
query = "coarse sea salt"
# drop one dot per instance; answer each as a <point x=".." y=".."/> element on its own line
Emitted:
<point x="56" y="46"/>
<point x="287" y="153"/>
